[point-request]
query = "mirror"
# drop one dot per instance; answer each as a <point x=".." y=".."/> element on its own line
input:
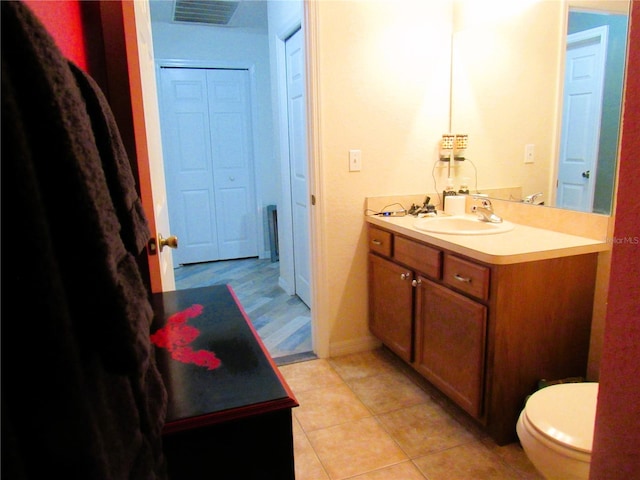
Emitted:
<point x="528" y="133"/>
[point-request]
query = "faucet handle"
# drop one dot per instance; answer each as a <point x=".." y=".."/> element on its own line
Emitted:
<point x="485" y="211"/>
<point x="532" y="198"/>
<point x="484" y="202"/>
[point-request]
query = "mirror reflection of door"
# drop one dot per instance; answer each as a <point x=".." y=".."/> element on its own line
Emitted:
<point x="582" y="111"/>
<point x="601" y="176"/>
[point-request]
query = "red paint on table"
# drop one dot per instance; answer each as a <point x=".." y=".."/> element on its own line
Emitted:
<point x="176" y="336"/>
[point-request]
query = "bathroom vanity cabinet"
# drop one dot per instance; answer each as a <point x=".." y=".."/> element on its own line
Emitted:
<point x="482" y="333"/>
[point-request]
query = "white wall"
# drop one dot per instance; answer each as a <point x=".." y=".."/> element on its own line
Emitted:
<point x="383" y="87"/>
<point x="233" y="47"/>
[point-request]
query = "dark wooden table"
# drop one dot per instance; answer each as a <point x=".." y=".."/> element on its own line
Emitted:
<point x="229" y="411"/>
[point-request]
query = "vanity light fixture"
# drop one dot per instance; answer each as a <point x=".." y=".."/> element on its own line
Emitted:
<point x="453" y="146"/>
<point x="448" y="140"/>
<point x="446" y="146"/>
<point x="461" y="142"/>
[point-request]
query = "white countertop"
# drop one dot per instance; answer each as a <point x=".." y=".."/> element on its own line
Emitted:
<point x="522" y="244"/>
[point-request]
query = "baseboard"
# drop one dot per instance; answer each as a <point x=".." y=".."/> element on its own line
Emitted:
<point x="337" y="349"/>
<point x="283" y="284"/>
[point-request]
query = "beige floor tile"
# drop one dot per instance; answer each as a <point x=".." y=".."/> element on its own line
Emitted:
<point x="329" y="406"/>
<point x="355" y="447"/>
<point x="387" y="392"/>
<point x="471" y="461"/>
<point x="424" y="428"/>
<point x="514" y="456"/>
<point x="307" y="464"/>
<point x="401" y="471"/>
<point x="363" y="364"/>
<point x="303" y="376"/>
<point x="411" y="420"/>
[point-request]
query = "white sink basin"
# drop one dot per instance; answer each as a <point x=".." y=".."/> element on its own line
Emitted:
<point x="461" y="225"/>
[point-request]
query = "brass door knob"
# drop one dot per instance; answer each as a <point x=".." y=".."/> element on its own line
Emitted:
<point x="171" y="241"/>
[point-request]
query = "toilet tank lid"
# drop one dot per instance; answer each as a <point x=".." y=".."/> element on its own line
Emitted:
<point x="565" y="413"/>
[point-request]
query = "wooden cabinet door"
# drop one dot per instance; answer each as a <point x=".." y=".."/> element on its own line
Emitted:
<point x="450" y="343"/>
<point x="391" y="305"/>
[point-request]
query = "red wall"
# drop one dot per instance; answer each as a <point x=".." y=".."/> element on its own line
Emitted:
<point x="76" y="27"/>
<point x="63" y="20"/>
<point x="616" y="447"/>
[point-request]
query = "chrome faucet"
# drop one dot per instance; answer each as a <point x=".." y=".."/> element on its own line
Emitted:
<point x="532" y="198"/>
<point x="485" y="211"/>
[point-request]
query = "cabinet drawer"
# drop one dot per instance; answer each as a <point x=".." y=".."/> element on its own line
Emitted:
<point x="380" y="241"/>
<point x="467" y="276"/>
<point x="424" y="259"/>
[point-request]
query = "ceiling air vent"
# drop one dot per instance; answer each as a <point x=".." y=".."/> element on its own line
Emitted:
<point x="204" y="11"/>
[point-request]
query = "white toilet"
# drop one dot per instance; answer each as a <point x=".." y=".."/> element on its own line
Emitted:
<point x="556" y="429"/>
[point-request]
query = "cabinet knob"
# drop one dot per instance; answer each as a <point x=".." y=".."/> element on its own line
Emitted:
<point x="416" y="283"/>
<point x="405" y="276"/>
<point x="376" y="242"/>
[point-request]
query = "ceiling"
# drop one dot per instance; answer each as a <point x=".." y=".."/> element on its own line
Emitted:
<point x="248" y="14"/>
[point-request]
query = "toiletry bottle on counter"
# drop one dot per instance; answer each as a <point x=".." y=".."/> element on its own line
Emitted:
<point x="464" y="186"/>
<point x="448" y="191"/>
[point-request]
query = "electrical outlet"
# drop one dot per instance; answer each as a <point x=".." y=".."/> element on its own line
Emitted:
<point x="529" y="153"/>
<point x="355" y="160"/>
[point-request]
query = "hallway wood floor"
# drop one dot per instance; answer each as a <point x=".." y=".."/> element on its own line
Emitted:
<point x="282" y="321"/>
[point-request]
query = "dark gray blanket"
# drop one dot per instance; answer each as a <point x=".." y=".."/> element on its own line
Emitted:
<point x="81" y="394"/>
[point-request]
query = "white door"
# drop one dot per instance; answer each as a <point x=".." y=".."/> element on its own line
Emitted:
<point x="207" y="140"/>
<point x="146" y="118"/>
<point x="582" y="111"/>
<point x="296" y="111"/>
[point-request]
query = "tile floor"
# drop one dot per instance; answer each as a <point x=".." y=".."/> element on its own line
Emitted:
<point x="368" y="416"/>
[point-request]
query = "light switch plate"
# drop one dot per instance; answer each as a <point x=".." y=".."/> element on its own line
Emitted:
<point x="529" y="153"/>
<point x="355" y="160"/>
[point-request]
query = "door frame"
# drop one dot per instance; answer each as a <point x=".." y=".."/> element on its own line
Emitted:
<point x="320" y="297"/>
<point x="320" y="291"/>
<point x="321" y="331"/>
<point x="227" y="65"/>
